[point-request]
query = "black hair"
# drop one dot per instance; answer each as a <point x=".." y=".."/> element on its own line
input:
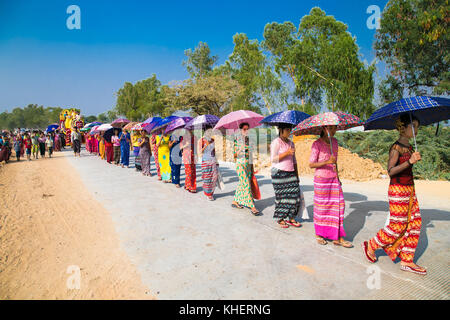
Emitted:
<point x="243" y="124"/>
<point x="283" y="126"/>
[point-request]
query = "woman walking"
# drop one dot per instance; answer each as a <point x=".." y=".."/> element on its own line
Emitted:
<point x="18" y="146"/>
<point x="401" y="236"/>
<point x="285" y="178"/>
<point x="162" y="143"/>
<point x="109" y="150"/>
<point x="210" y="169"/>
<point x="49" y="145"/>
<point x="42" y="144"/>
<point x="175" y="159"/>
<point x="154" y="147"/>
<point x="125" y="140"/>
<point x="243" y="196"/>
<point x="35" y="145"/>
<point x="75" y="138"/>
<point x="187" y="145"/>
<point x="101" y="146"/>
<point x="28" y="144"/>
<point x="56" y="144"/>
<point x="329" y="203"/>
<point x="145" y="155"/>
<point x="116" y="146"/>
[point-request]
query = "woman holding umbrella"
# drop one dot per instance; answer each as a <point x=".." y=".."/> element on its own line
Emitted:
<point x="242" y="154"/>
<point x="207" y="150"/>
<point x="284" y="171"/>
<point x="116" y="146"/>
<point x="162" y="143"/>
<point x="329" y="203"/>
<point x="145" y="154"/>
<point x="175" y="158"/>
<point x="401" y="236"/>
<point x="125" y="140"/>
<point x="187" y="145"/>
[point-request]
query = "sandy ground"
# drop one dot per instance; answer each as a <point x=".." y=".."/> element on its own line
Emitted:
<point x="49" y="222"/>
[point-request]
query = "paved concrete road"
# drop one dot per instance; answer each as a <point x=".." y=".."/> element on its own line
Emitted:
<point x="186" y="247"/>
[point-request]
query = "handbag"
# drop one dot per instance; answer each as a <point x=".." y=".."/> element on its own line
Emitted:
<point x="256" y="193"/>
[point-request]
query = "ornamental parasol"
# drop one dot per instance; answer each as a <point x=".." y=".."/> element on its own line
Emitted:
<point x="314" y="124"/>
<point x="202" y="121"/>
<point x="94" y="130"/>
<point x="120" y="123"/>
<point x="129" y="125"/>
<point x="137" y="126"/>
<point x="293" y="117"/>
<point x="427" y="109"/>
<point x="177" y="124"/>
<point x="235" y="118"/>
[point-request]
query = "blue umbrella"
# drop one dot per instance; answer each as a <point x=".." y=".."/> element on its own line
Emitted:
<point x="150" y="123"/>
<point x="162" y="123"/>
<point x="427" y="109"/>
<point x="285" y="117"/>
<point x="52" y="127"/>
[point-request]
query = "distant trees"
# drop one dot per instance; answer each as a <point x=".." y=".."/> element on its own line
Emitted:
<point x="32" y="116"/>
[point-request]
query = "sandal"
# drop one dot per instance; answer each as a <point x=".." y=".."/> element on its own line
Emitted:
<point x="294" y="224"/>
<point x="365" y="246"/>
<point x="283" y="224"/>
<point x="343" y="243"/>
<point x="420" y="270"/>
<point x="237" y="206"/>
<point x="321" y="240"/>
<point x="255" y="213"/>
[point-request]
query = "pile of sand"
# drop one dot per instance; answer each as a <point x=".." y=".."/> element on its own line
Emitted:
<point x="350" y="165"/>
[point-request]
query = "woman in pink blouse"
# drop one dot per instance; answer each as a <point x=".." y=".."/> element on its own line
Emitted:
<point x="285" y="178"/>
<point x="329" y="204"/>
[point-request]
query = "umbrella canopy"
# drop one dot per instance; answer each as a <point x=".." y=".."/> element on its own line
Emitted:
<point x="94" y="130"/>
<point x="151" y="119"/>
<point x="177" y="124"/>
<point x="85" y="129"/>
<point x="314" y="124"/>
<point x="104" y="127"/>
<point x="293" y="117"/>
<point x="109" y="133"/>
<point x="129" y="125"/>
<point x="150" y="123"/>
<point x="52" y="127"/>
<point x="427" y="109"/>
<point x="163" y="123"/>
<point x="137" y="126"/>
<point x="202" y="121"/>
<point x="92" y="124"/>
<point x="120" y="123"/>
<point x="235" y="118"/>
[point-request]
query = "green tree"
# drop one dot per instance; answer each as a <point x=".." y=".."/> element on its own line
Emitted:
<point x="413" y="40"/>
<point x="321" y="58"/>
<point x="199" y="61"/>
<point x="262" y="87"/>
<point x="213" y="94"/>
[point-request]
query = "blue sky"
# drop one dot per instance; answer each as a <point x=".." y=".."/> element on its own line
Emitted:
<point x="43" y="62"/>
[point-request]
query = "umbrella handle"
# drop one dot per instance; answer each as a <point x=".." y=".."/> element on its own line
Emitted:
<point x="414" y="134"/>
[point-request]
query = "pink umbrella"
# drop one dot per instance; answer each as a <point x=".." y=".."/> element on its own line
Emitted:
<point x="314" y="124"/>
<point x="120" y="123"/>
<point x="94" y="130"/>
<point x="235" y="118"/>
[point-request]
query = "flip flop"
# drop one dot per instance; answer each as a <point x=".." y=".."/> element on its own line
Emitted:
<point x="344" y="244"/>
<point x="296" y="224"/>
<point x="365" y="246"/>
<point x="283" y="225"/>
<point x="413" y="270"/>
<point x="237" y="206"/>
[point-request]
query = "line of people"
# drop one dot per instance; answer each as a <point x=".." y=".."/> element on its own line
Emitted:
<point x="399" y="238"/>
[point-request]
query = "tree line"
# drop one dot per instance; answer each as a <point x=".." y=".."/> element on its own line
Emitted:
<point x="314" y="66"/>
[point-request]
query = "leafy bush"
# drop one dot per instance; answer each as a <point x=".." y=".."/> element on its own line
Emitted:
<point x="375" y="145"/>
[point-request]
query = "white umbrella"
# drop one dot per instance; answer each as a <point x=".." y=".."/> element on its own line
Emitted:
<point x="104" y="127"/>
